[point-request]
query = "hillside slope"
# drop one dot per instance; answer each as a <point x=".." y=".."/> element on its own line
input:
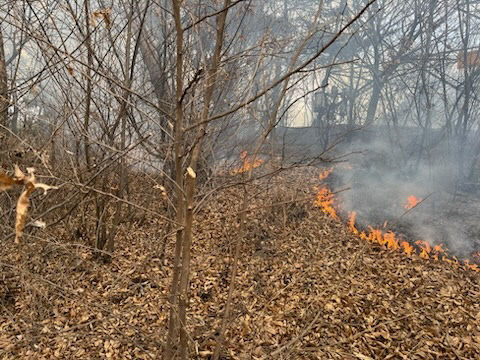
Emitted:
<point x="306" y="289"/>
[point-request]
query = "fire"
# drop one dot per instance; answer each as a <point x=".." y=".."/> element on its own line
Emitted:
<point x="412" y="201"/>
<point x="390" y="241"/>
<point x="438" y="249"/>
<point x="425" y="248"/>
<point x="407" y="248"/>
<point x="351" y="223"/>
<point x="247" y="164"/>
<point x="473" y="267"/>
<point x="325" y="200"/>
<point x="377" y="236"/>
<point x="324" y="174"/>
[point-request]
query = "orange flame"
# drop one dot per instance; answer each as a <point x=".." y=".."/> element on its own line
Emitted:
<point x="407" y="248"/>
<point x="473" y="267"/>
<point x="439" y="249"/>
<point x="324" y="174"/>
<point x="412" y="201"/>
<point x="425" y="248"/>
<point x="390" y="240"/>
<point x="376" y="236"/>
<point x="351" y="223"/>
<point x="325" y="202"/>
<point x="247" y="164"/>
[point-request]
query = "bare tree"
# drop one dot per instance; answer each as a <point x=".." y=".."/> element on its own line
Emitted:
<point x="4" y="98"/>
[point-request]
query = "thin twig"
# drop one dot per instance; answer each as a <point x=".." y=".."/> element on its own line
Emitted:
<point x="298" y="337"/>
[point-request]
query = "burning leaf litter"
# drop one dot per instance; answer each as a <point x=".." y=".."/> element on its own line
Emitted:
<point x="325" y="200"/>
<point x="311" y="281"/>
<point x="247" y="164"/>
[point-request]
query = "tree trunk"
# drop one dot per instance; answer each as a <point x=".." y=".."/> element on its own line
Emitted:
<point x="373" y="103"/>
<point x="180" y="215"/>
<point x="3" y="88"/>
<point x="123" y="113"/>
<point x="88" y="95"/>
<point x="191" y="178"/>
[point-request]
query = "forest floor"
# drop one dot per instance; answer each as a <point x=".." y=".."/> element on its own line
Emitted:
<point x="307" y="288"/>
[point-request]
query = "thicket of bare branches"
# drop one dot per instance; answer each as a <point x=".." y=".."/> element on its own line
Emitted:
<point x="105" y="98"/>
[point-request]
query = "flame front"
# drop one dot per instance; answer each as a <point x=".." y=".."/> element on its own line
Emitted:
<point x="247" y="164"/>
<point x="473" y="267"/>
<point x="407" y="248"/>
<point x="412" y="201"/>
<point x="325" y="201"/>
<point x="351" y="223"/>
<point x="425" y="248"/>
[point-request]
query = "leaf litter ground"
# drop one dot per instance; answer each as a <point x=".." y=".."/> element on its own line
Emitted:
<point x="306" y="289"/>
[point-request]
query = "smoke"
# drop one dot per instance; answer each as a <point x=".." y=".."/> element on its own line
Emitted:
<point x="388" y="169"/>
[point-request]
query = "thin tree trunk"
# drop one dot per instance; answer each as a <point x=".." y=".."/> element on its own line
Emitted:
<point x="373" y="103"/>
<point x="122" y="171"/>
<point x="157" y="79"/>
<point x="191" y="182"/>
<point x="88" y="95"/>
<point x="462" y="125"/>
<point x="179" y="183"/>
<point x="3" y="88"/>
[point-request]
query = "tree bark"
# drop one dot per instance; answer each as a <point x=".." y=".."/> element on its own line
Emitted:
<point x="179" y="184"/>
<point x="4" y="102"/>
<point x="191" y="182"/>
<point x="88" y="95"/>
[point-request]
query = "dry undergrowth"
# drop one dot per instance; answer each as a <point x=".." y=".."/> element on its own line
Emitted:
<point x="306" y="289"/>
<point x="29" y="182"/>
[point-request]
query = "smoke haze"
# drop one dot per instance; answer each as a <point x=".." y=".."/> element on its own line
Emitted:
<point x="381" y="177"/>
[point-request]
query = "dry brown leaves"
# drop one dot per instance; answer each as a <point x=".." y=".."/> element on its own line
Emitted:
<point x="306" y="289"/>
<point x="6" y="182"/>
<point x="104" y="14"/>
<point x="30" y="184"/>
